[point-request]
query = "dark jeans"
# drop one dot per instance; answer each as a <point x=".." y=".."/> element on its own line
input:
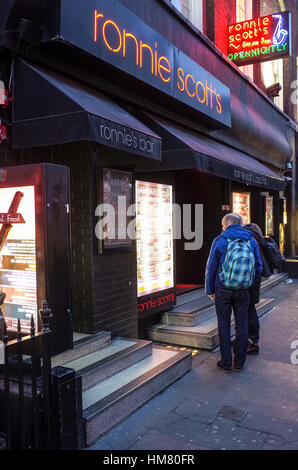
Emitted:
<point x="253" y="324"/>
<point x="225" y="300"/>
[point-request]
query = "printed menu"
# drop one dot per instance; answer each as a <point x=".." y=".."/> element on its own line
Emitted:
<point x="117" y="184"/>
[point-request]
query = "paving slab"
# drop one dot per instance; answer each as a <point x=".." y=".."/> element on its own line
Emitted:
<point x="293" y="446"/>
<point x="283" y="429"/>
<point x="274" y="441"/>
<point x="203" y="412"/>
<point x="225" y="434"/>
<point x="186" y="430"/>
<point x="156" y="440"/>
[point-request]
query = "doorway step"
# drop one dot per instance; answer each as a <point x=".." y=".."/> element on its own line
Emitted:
<point x="290" y="266"/>
<point x="119" y="377"/>
<point x="184" y="288"/>
<point x="193" y="321"/>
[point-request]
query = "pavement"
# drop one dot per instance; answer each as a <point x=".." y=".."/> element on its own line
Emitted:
<point x="208" y="408"/>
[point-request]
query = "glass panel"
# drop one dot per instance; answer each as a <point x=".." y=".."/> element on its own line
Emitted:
<point x="117" y="193"/>
<point x="269" y="227"/>
<point x="241" y="206"/>
<point x="192" y="10"/>
<point x="272" y="72"/>
<point x="244" y="12"/>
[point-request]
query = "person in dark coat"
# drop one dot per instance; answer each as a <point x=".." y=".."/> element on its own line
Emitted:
<point x="254" y="293"/>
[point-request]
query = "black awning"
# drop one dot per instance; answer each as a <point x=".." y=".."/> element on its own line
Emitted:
<point x="184" y="149"/>
<point x="51" y="109"/>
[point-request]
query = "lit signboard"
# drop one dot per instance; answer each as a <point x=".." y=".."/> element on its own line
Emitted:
<point x="18" y="256"/>
<point x="241" y="206"/>
<point x="107" y="30"/>
<point x="285" y="214"/>
<point x="260" y="39"/>
<point x="34" y="248"/>
<point x="269" y="226"/>
<point x="155" y="256"/>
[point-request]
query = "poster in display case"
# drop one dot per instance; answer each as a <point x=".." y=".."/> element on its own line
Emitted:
<point x="18" y="256"/>
<point x="35" y="249"/>
<point x="155" y="255"/>
<point x="285" y="214"/>
<point x="269" y="225"/>
<point x="241" y="206"/>
<point x="117" y="192"/>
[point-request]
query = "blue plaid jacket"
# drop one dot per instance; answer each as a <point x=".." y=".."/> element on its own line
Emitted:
<point x="217" y="256"/>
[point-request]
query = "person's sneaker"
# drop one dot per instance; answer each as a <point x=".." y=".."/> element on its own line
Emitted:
<point x="253" y="348"/>
<point x="223" y="366"/>
<point x="238" y="368"/>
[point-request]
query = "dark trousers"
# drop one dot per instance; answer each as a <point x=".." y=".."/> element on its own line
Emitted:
<point x="253" y="324"/>
<point x="225" y="301"/>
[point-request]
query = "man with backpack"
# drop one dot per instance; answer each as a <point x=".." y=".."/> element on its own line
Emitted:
<point x="234" y="264"/>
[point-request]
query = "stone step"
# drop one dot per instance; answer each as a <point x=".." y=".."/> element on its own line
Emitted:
<point x="109" y="402"/>
<point x="193" y="306"/>
<point x="104" y="363"/>
<point x="188" y="319"/>
<point x="189" y="296"/>
<point x="272" y="281"/>
<point x="198" y="307"/>
<point x="204" y="335"/>
<point x="83" y="344"/>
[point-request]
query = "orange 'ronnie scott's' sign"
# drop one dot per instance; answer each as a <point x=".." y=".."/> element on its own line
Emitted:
<point x="107" y="30"/>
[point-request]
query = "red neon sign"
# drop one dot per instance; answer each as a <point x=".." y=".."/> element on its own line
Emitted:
<point x="260" y="39"/>
<point x="155" y="303"/>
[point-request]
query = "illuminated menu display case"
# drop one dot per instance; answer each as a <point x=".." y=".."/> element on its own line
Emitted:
<point x="35" y="248"/>
<point x="155" y="256"/>
<point x="269" y="226"/>
<point x="241" y="206"/>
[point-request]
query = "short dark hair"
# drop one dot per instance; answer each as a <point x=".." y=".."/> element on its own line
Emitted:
<point x="233" y="219"/>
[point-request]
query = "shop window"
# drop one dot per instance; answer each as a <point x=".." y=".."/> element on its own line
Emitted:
<point x="244" y="12"/>
<point x="268" y="7"/>
<point x="272" y="71"/>
<point x="294" y="96"/>
<point x="192" y="10"/>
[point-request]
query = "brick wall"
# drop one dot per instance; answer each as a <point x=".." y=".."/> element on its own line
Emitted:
<point x="114" y="275"/>
<point x="7" y="158"/>
<point x="81" y="242"/>
<point x="218" y="15"/>
<point x="78" y="158"/>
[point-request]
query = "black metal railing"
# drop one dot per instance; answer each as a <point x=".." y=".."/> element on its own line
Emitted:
<point x="25" y="387"/>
